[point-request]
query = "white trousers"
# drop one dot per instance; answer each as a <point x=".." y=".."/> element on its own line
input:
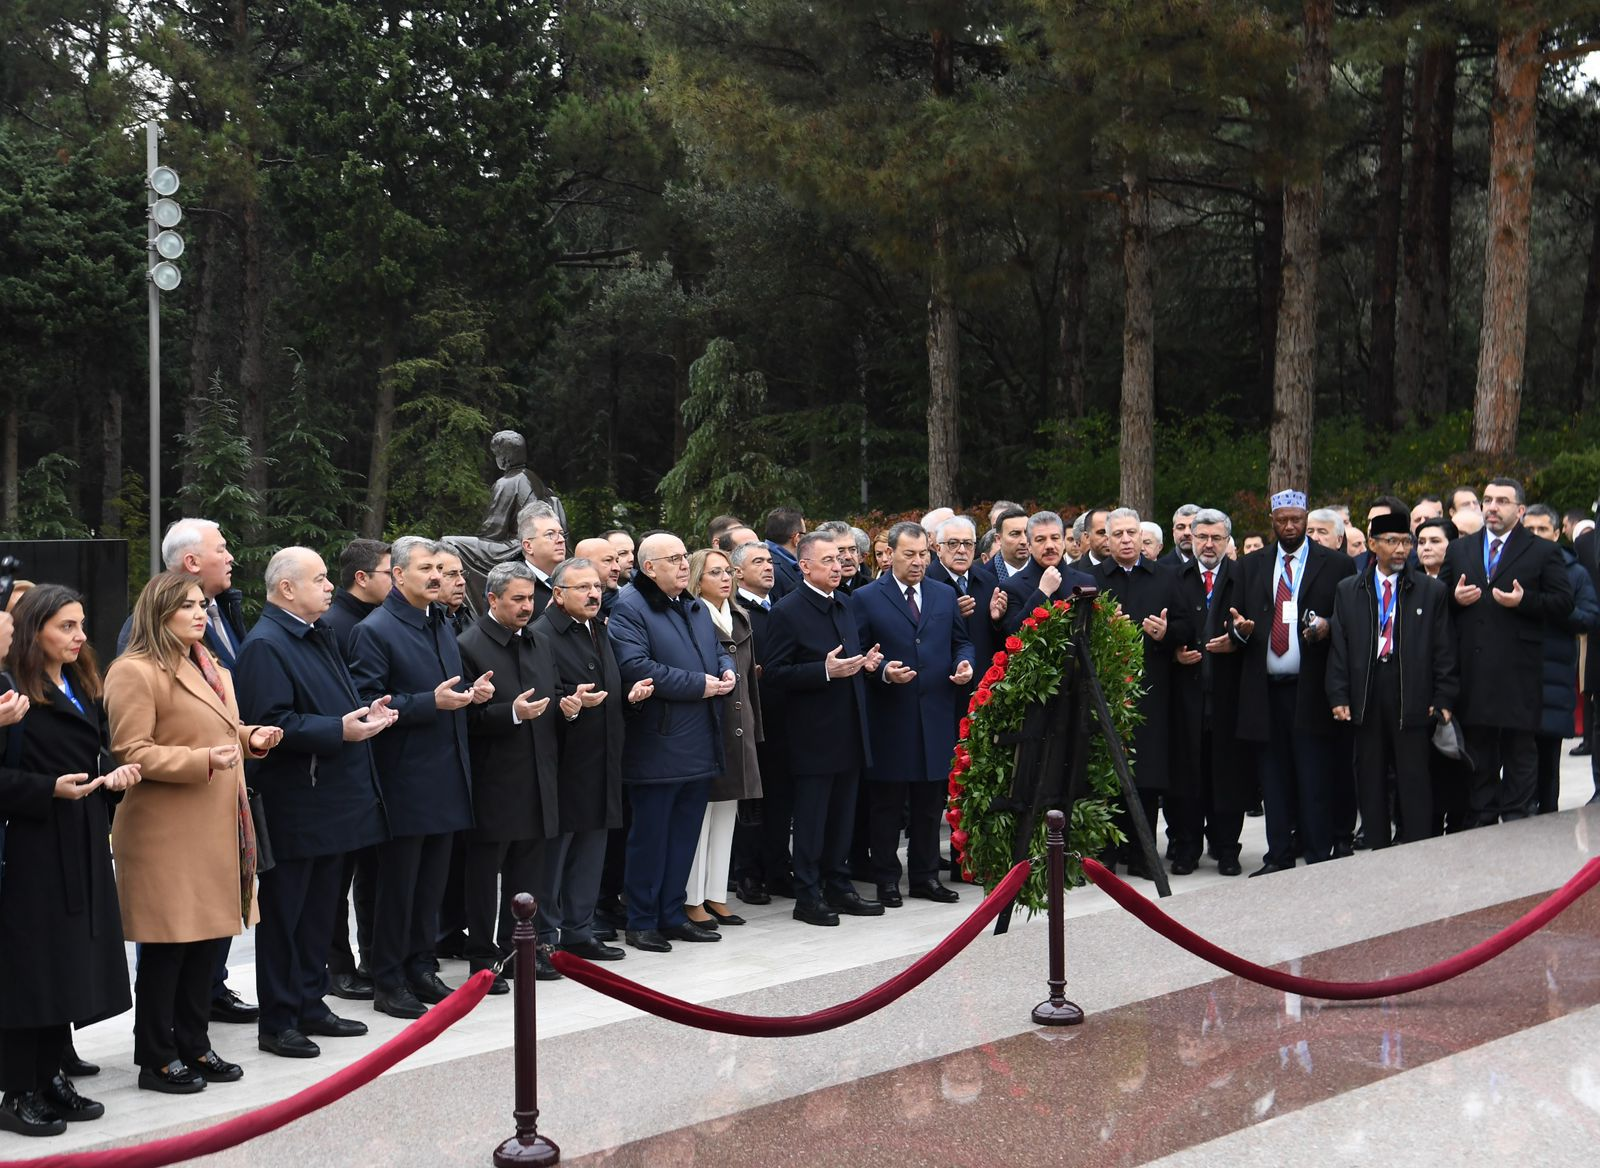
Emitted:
<point x="708" y="875"/>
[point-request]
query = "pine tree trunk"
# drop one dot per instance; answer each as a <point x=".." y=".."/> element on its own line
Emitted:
<point x="1436" y="306"/>
<point x="944" y="338"/>
<point x="1503" y="341"/>
<point x="1269" y="294"/>
<point x="203" y="347"/>
<point x="1295" y="365"/>
<point x="1386" y="245"/>
<point x="1074" y="331"/>
<point x="1583" y="387"/>
<point x="111" y="457"/>
<point x="252" y="348"/>
<point x="1422" y="369"/>
<point x="1138" y="464"/>
<point x="382" y="431"/>
<point x="10" y="471"/>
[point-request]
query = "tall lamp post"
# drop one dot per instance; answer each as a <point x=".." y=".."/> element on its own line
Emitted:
<point x="164" y="245"/>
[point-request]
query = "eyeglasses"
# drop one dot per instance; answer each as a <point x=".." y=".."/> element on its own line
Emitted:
<point x="957" y="545"/>
<point x="825" y="561"/>
<point x="594" y="587"/>
<point x="676" y="558"/>
<point x="456" y="575"/>
<point x="553" y="533"/>
<point x="718" y="573"/>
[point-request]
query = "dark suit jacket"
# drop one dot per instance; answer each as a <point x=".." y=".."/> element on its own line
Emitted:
<point x="1502" y="649"/>
<point x="827" y="718"/>
<point x="785" y="572"/>
<point x="981" y="631"/>
<point x="912" y="727"/>
<point x="1023" y="595"/>
<point x="1253" y="598"/>
<point x="1587" y="548"/>
<point x="1206" y="696"/>
<point x="1145" y="591"/>
<point x="589" y="778"/>
<point x="343" y="615"/>
<point x="514" y="765"/>
<point x="1423" y="641"/>
<point x="320" y="793"/>
<point x="423" y="760"/>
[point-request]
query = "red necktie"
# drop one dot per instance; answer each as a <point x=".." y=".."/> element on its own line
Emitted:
<point x="1388" y="619"/>
<point x="1494" y="557"/>
<point x="1285" y="592"/>
<point x="911" y="599"/>
<point x="1210" y="576"/>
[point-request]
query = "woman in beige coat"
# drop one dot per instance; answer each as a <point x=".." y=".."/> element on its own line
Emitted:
<point x="183" y="840"/>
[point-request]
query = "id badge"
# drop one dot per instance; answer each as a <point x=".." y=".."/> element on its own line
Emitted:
<point x="1291" y="613"/>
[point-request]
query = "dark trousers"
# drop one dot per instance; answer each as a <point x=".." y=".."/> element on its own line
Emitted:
<point x="172" y="1001"/>
<point x="358" y="882"/>
<point x="412" y="870"/>
<point x="1505" y="769"/>
<point x="613" y="872"/>
<point x="1294" y="783"/>
<point x="1186" y="805"/>
<point x="297" y="919"/>
<point x="453" y="905"/>
<point x="1452" y="779"/>
<point x="568" y="886"/>
<point x="219" y="969"/>
<point x="888" y="805"/>
<point x="777" y="818"/>
<point x="1131" y="851"/>
<point x="824" y="822"/>
<point x="1204" y="807"/>
<point x="494" y="871"/>
<point x="31" y="1056"/>
<point x="1548" y="783"/>
<point x="1382" y="746"/>
<point x="661" y="844"/>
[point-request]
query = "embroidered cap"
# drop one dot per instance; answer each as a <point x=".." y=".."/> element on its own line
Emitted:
<point x="1289" y="499"/>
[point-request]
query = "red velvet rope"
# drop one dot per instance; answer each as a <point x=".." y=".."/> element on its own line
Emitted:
<point x="677" y="1010"/>
<point x="1531" y="922"/>
<point x="237" y="1130"/>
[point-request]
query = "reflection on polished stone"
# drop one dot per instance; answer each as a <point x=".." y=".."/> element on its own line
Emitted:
<point x="1154" y="1077"/>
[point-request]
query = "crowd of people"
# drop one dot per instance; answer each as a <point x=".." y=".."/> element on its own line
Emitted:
<point x="636" y="732"/>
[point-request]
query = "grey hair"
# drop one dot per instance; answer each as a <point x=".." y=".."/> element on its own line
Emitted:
<point x="1079" y="523"/>
<point x="1044" y="519"/>
<point x="1155" y="530"/>
<point x="905" y="530"/>
<point x="1122" y="513"/>
<point x="1328" y="515"/>
<point x="528" y="518"/>
<point x="501" y="575"/>
<point x="951" y="522"/>
<point x="740" y="554"/>
<point x="558" y="577"/>
<point x="833" y="527"/>
<point x="1211" y="517"/>
<point x="284" y="566"/>
<point x="401" y="550"/>
<point x="863" y="542"/>
<point x="1185" y="511"/>
<point x="183" y="537"/>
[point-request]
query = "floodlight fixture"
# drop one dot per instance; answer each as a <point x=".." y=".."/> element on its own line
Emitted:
<point x="166" y="276"/>
<point x="164" y="181"/>
<point x="169" y="245"/>
<point x="166" y="213"/>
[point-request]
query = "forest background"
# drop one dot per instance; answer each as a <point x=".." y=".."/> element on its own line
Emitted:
<point x="715" y="255"/>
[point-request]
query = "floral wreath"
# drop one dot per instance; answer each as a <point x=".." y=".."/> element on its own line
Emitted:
<point x="1026" y="672"/>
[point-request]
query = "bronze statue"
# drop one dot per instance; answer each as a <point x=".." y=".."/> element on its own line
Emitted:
<point x="497" y="540"/>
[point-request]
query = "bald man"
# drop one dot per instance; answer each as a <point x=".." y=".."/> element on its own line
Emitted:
<point x="602" y="553"/>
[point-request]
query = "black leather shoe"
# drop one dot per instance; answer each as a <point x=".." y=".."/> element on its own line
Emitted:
<point x="814" y="912"/>
<point x="352" y="987"/>
<point x="781" y="886"/>
<point x="499" y="986"/>
<point x="230" y="1007"/>
<point x="172" y="1079"/>
<point x="604" y="933"/>
<point x="689" y="931"/>
<point x="61" y="1097"/>
<point x="1580" y="750"/>
<point x="1137" y="868"/>
<point x="543" y="968"/>
<point x="288" y="1044"/>
<point x="594" y="951"/>
<point x="430" y="989"/>
<point x="332" y="1026"/>
<point x="213" y="1068"/>
<point x="612" y="912"/>
<point x="726" y="920"/>
<point x="24" y="1113"/>
<point x="452" y="946"/>
<point x="709" y="924"/>
<point x="1183" y="867"/>
<point x="400" y="1003"/>
<point x="752" y="891"/>
<point x="1268" y="870"/>
<point x="1229" y="867"/>
<point x="74" y="1067"/>
<point x="1343" y="851"/>
<point x="851" y="905"/>
<point x="889" y="896"/>
<point x="648" y="941"/>
<point x="933" y="890"/>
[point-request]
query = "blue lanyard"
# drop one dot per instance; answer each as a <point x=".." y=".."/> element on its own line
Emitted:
<point x="1385" y="611"/>
<point x="66" y="688"/>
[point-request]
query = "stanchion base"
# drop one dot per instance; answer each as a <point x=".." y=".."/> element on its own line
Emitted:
<point x="1050" y="1014"/>
<point x="517" y="1152"/>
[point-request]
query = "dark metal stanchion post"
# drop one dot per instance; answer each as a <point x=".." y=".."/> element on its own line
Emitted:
<point x="527" y="1146"/>
<point x="1057" y="1011"/>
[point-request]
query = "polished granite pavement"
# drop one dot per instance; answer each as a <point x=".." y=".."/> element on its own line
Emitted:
<point x="1173" y="1064"/>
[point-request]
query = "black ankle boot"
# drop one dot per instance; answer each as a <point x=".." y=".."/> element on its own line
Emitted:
<point x="26" y="1114"/>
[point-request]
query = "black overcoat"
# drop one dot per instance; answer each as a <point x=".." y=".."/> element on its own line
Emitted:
<point x="589" y="775"/>
<point x="1145" y="591"/>
<point x="514" y="794"/>
<point x="1023" y="595"/>
<point x="827" y="718"/>
<point x="320" y="793"/>
<point x="61" y="950"/>
<point x="1423" y="639"/>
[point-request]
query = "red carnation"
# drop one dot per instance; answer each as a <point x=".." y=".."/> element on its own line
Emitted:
<point x="981" y="698"/>
<point x="966" y="728"/>
<point x="1013" y="643"/>
<point x="1000" y="659"/>
<point x="1041" y="614"/>
<point x="1063" y="605"/>
<point x="953" y="817"/>
<point x="955" y="788"/>
<point x="959" y="838"/>
<point x="1029" y="623"/>
<point x="996" y="673"/>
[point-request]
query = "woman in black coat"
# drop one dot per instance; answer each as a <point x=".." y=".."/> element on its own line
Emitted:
<point x="61" y="952"/>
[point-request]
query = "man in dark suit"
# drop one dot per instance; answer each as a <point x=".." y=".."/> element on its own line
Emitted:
<point x="1507" y="585"/>
<point x="512" y="737"/>
<point x="404" y="649"/>
<point x="1391" y="672"/>
<point x="785" y="526"/>
<point x="814" y="653"/>
<point x="1211" y="780"/>
<point x="1011" y="538"/>
<point x="1587" y="548"/>
<point x="544" y="545"/>
<point x="589" y="779"/>
<point x="913" y="705"/>
<point x="980" y="601"/>
<point x="1046" y="578"/>
<point x="365" y="580"/>
<point x="320" y="792"/>
<point x="1182" y="536"/>
<point x="1093" y="543"/>
<point x="1148" y="594"/>
<point x="1285" y="595"/>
